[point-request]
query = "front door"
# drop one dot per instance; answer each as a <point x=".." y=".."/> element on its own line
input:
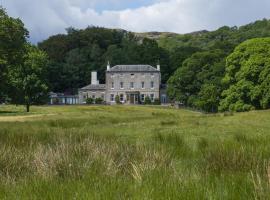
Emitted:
<point x="132" y="99"/>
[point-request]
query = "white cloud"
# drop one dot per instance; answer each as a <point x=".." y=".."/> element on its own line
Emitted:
<point x="47" y="17"/>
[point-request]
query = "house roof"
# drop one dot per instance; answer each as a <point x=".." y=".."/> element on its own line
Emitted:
<point x="133" y="68"/>
<point x="94" y="87"/>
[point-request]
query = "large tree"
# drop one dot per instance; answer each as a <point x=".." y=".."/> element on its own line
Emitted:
<point x="201" y="70"/>
<point x="13" y="37"/>
<point x="247" y="77"/>
<point x="27" y="81"/>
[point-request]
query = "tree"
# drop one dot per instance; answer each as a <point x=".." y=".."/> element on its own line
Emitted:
<point x="12" y="41"/>
<point x="247" y="77"/>
<point x="208" y="98"/>
<point x="201" y="68"/>
<point x="28" y="84"/>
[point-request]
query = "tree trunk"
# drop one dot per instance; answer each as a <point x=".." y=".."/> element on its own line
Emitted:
<point x="27" y="107"/>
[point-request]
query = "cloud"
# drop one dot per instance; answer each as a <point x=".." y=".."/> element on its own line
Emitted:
<point x="47" y="17"/>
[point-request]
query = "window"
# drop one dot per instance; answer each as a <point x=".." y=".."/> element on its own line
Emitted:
<point x="112" y="85"/>
<point x="143" y="75"/>
<point x="152" y="75"/>
<point x="142" y="97"/>
<point x="112" y="98"/>
<point x="121" y="97"/>
<point x="93" y="96"/>
<point x="152" y="84"/>
<point x="121" y="85"/>
<point x="112" y="75"/>
<point x="131" y="85"/>
<point x="142" y="85"/>
<point x="163" y="98"/>
<point x="121" y="75"/>
<point x="132" y="75"/>
<point x="152" y="97"/>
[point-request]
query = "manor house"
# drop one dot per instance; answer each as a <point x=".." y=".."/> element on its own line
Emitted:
<point x="132" y="83"/>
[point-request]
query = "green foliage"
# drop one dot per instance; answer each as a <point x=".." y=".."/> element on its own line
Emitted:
<point x="89" y="101"/>
<point x="208" y="98"/>
<point x="75" y="55"/>
<point x="147" y="100"/>
<point x="99" y="101"/>
<point x="190" y="82"/>
<point x="156" y="101"/>
<point x="117" y="99"/>
<point x="27" y="81"/>
<point x="12" y="47"/>
<point x="247" y="77"/>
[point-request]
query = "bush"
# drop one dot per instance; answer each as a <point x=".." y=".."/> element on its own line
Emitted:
<point x="99" y="101"/>
<point x="147" y="100"/>
<point x="117" y="99"/>
<point x="156" y="101"/>
<point x="89" y="101"/>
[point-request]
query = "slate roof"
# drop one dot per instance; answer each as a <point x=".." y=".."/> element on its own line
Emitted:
<point x="133" y="68"/>
<point x="94" y="87"/>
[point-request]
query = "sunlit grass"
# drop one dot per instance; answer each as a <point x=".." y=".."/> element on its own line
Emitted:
<point x="129" y="152"/>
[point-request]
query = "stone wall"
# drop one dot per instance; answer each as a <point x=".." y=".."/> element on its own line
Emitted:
<point x="114" y="81"/>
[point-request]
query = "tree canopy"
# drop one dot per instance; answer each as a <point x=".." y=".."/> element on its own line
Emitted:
<point x="28" y="81"/>
<point x="247" y="77"/>
<point x="13" y="37"/>
<point x="73" y="56"/>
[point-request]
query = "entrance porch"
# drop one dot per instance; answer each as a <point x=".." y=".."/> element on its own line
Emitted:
<point x="133" y="97"/>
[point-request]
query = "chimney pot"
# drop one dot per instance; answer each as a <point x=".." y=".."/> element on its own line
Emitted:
<point x="108" y="66"/>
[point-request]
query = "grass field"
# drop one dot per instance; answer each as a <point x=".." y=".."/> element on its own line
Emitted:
<point x="124" y="152"/>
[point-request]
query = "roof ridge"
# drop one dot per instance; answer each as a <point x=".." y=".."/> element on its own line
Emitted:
<point x="136" y="67"/>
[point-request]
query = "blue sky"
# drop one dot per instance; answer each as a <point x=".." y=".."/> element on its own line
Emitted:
<point x="47" y="17"/>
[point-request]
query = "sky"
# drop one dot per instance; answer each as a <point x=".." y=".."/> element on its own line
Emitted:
<point x="44" y="18"/>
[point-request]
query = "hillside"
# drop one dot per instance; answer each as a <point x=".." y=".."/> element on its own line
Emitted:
<point x="204" y="38"/>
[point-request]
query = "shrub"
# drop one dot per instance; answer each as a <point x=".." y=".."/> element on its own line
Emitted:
<point x="147" y="100"/>
<point x="99" y="101"/>
<point x="117" y="99"/>
<point x="89" y="101"/>
<point x="156" y="101"/>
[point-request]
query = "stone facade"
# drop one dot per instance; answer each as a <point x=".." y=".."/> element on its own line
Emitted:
<point x="132" y="83"/>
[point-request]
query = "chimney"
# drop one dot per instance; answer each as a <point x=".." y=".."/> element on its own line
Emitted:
<point x="94" y="80"/>
<point x="158" y="67"/>
<point x="108" y="66"/>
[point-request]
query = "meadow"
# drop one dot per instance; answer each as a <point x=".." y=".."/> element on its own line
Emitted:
<point x="133" y="152"/>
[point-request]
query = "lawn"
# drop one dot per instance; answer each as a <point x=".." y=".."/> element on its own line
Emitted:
<point x="126" y="152"/>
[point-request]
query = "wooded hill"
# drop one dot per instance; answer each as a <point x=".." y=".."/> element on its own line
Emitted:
<point x="190" y="63"/>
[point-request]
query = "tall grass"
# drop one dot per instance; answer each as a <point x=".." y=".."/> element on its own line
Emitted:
<point x="134" y="153"/>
